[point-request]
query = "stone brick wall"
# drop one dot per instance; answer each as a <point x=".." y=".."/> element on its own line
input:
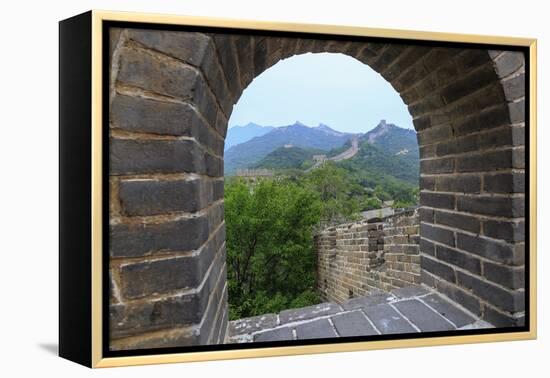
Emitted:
<point x="171" y="95"/>
<point x="354" y="259"/>
<point x="472" y="194"/>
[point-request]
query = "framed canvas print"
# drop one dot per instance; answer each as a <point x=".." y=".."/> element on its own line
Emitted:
<point x="235" y="189"/>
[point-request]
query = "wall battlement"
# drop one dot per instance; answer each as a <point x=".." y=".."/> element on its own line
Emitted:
<point x="354" y="259"/>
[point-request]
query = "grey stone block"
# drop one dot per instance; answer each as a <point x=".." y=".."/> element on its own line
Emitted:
<point x="464" y="222"/>
<point x="436" y="268"/>
<point x="437" y="234"/>
<point x="462" y="183"/>
<point x="434" y="166"/>
<point x="509" y="276"/>
<point x="504" y="183"/>
<point x="437" y="200"/>
<point x="150" y="197"/>
<point x="132" y="240"/>
<point x="387" y="320"/>
<point x="316" y="329"/>
<point x="422" y="316"/>
<point x="468" y="84"/>
<point x="497" y="206"/>
<point x="310" y="312"/>
<point x="483" y="162"/>
<point x="353" y="323"/>
<point x="448" y="310"/>
<point x="489" y="248"/>
<point x="458" y="258"/>
<point x="508" y="300"/>
<point x="277" y="334"/>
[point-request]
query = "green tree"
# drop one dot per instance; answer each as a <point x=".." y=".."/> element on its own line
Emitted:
<point x="270" y="256"/>
<point x="334" y="186"/>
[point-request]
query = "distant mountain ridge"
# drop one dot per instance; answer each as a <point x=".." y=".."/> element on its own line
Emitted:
<point x="249" y="153"/>
<point x="289" y="157"/>
<point x="241" y="134"/>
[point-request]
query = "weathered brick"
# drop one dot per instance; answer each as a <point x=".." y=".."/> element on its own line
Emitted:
<point x="245" y="58"/>
<point x="218" y="189"/>
<point x="487" y="119"/>
<point x="500" y="319"/>
<point x="509" y="62"/>
<point x="427" y="247"/>
<point x="437" y="200"/>
<point x="150" y="197"/>
<point x="439" y="56"/>
<point x="517" y="111"/>
<point x="457" y="145"/>
<point x="129" y="156"/>
<point x="434" y="166"/>
<point x="509" y="231"/>
<point x="437" y="234"/>
<point x="427" y="183"/>
<point x="459" y="259"/>
<point x="436" y="268"/>
<point x="459" y="183"/>
<point x="497" y="206"/>
<point x="142" y="70"/>
<point x="514" y="88"/>
<point x="460" y="221"/>
<point x="159" y="276"/>
<point x="518" y="158"/>
<point x="189" y="47"/>
<point x="467" y="84"/>
<point x="131" y="240"/>
<point x="494" y="138"/>
<point x="228" y="59"/>
<point x="486" y="161"/>
<point x="470" y="59"/>
<point x="511" y="301"/>
<point x="405" y="60"/>
<point x="512" y="277"/>
<point x="460" y="296"/>
<point x="434" y="135"/>
<point x="185" y="336"/>
<point x="489" y="248"/>
<point x="426" y="215"/>
<point x="387" y="57"/>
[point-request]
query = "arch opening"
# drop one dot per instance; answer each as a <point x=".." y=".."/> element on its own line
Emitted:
<point x="308" y="138"/>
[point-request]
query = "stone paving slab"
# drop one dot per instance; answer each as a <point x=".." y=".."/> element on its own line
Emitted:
<point x="409" y="291"/>
<point x="316" y="329"/>
<point x="310" y="312"/>
<point x="253" y="324"/>
<point x="387" y="320"/>
<point x="406" y="310"/>
<point x="353" y="323"/>
<point x="277" y="334"/>
<point x="422" y="316"/>
<point x="448" y="310"/>
<point x="369" y="300"/>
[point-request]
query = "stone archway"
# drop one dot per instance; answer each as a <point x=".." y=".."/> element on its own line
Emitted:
<point x="171" y="97"/>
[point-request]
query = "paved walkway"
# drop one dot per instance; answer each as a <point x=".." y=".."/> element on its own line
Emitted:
<point x="407" y="310"/>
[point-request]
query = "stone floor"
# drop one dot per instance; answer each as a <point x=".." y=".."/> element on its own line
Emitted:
<point x="406" y="310"/>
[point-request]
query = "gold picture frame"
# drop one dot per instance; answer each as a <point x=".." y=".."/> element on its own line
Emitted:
<point x="94" y="263"/>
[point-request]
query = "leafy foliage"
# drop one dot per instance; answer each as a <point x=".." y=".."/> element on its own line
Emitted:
<point x="270" y="246"/>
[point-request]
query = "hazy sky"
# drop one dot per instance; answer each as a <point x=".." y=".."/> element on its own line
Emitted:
<point x="334" y="89"/>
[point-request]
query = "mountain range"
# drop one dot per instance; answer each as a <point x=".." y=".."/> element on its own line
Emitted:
<point x="241" y="134"/>
<point x="386" y="150"/>
<point x="249" y="153"/>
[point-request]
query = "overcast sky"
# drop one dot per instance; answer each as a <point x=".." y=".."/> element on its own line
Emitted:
<point x="333" y="89"/>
